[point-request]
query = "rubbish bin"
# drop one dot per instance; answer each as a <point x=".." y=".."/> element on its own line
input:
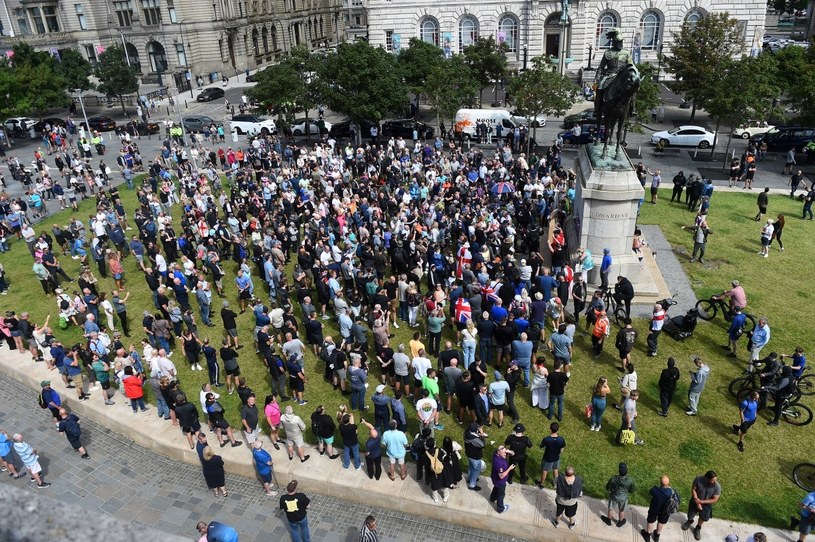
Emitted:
<point x="235" y="135"/>
<point x="213" y="76"/>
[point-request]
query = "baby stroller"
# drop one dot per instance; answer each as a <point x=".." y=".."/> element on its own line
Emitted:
<point x="679" y="327"/>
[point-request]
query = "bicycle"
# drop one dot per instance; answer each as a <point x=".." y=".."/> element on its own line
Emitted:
<point x="806" y="383"/>
<point x="804" y="476"/>
<point x="793" y="412"/>
<point x="614" y="310"/>
<point x="709" y="308"/>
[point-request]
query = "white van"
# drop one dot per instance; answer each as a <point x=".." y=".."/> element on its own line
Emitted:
<point x="467" y="119"/>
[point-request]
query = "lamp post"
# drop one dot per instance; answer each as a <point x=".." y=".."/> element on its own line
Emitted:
<point x="82" y="105"/>
<point x="525" y="49"/>
<point x="188" y="73"/>
<point x="659" y="63"/>
<point x="591" y="49"/>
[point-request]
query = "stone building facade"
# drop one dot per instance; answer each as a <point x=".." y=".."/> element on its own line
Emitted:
<point x="533" y="28"/>
<point x="175" y="39"/>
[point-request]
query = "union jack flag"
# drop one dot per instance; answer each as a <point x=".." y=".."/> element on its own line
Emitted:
<point x="463" y="311"/>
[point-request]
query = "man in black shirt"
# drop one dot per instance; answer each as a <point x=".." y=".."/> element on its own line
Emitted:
<point x="447" y="354"/>
<point x="624" y="293"/>
<point x="557" y="380"/>
<point x="519" y="444"/>
<point x="486" y="330"/>
<point x="187" y="415"/>
<point x="474" y="442"/>
<point x="228" y="316"/>
<point x="295" y="505"/>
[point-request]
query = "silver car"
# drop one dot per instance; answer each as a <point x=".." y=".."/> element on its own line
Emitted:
<point x="196" y="123"/>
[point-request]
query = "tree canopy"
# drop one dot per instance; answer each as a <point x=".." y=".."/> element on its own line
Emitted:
<point x="449" y="86"/>
<point x="488" y="61"/>
<point x="31" y="81"/>
<point x="417" y="61"/>
<point x="75" y="69"/>
<point x="796" y="76"/>
<point x="116" y="77"/>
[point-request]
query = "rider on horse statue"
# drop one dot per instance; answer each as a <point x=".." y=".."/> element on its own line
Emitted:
<point x="614" y="61"/>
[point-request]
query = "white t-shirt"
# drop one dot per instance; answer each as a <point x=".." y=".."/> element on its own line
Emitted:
<point x="420" y="367"/>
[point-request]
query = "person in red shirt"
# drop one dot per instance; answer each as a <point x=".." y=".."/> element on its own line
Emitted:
<point x="134" y="390"/>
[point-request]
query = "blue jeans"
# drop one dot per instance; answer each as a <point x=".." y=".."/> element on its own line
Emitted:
<point x="163" y="409"/>
<point x="358" y="399"/>
<point x="598" y="405"/>
<point x="469" y="352"/>
<point x="299" y="530"/>
<point x="163" y="343"/>
<point x="486" y="350"/>
<point x="403" y="311"/>
<point x="205" y="315"/>
<point x="347" y="453"/>
<point x="137" y="403"/>
<point x="552" y="400"/>
<point x="473" y="470"/>
<point x="524" y="366"/>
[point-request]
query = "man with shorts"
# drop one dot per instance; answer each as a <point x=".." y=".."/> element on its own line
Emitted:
<point x="30" y="459"/>
<point x="807" y="513"/>
<point x="102" y="371"/>
<point x="228" y="317"/>
<point x="747" y="411"/>
<point x="396" y="444"/>
<point x="294" y="426"/>
<point x="263" y="466"/>
<point x="323" y="427"/>
<point x="497" y="392"/>
<point x="230" y="359"/>
<point x="619" y="487"/>
<point x="552" y="447"/>
<point x="705" y="492"/>
<point x="401" y="369"/>
<point x="658" y="511"/>
<point x="6" y="460"/>
<point x="69" y="426"/>
<point x="50" y="398"/>
<point x="187" y="415"/>
<point x="249" y="420"/>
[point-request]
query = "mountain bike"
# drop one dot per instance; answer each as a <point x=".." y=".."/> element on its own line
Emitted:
<point x="709" y="308"/>
<point x="804" y="476"/>
<point x="614" y="310"/>
<point x="792" y="411"/>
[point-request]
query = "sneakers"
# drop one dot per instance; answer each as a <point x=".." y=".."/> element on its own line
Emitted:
<point x="397" y="325"/>
<point x="47" y="484"/>
<point x="237" y="443"/>
<point x="302" y="403"/>
<point x="306" y="458"/>
<point x="198" y="366"/>
<point x="110" y="403"/>
<point x="333" y="457"/>
<point x="435" y="499"/>
<point x="474" y="488"/>
<point x="686" y="525"/>
<point x="639" y="442"/>
<point x="555" y="522"/>
<point x="438" y="427"/>
<point x="697" y="533"/>
<point x="645" y="535"/>
<point x="622" y="522"/>
<point x="606" y="520"/>
<point x="663" y="414"/>
<point x="572" y="525"/>
<point x="506" y="507"/>
<point x="740" y="446"/>
<point x="592" y="429"/>
<point x="690" y="412"/>
<point x="655" y="536"/>
<point x="85" y="456"/>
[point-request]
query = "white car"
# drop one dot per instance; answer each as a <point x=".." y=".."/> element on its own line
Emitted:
<point x="526" y="120"/>
<point x="18" y="124"/>
<point x="686" y="136"/>
<point x="298" y="127"/>
<point x="751" y="128"/>
<point x="253" y="124"/>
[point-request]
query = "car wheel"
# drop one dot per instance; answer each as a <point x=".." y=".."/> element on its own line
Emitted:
<point x="704" y="144"/>
<point x="665" y="142"/>
<point x="297" y="133"/>
<point x="745" y="135"/>
<point x="536" y="124"/>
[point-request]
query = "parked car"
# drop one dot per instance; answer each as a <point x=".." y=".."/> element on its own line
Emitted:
<point x="783" y="138"/>
<point x="588" y="133"/>
<point x="404" y="128"/>
<point x="298" y="127"/>
<point x="196" y="123"/>
<point x="685" y="136"/>
<point x="209" y="94"/>
<point x="587" y="115"/>
<point x="142" y="128"/>
<point x="18" y="125"/>
<point x="39" y="126"/>
<point x="342" y="130"/>
<point x="751" y="128"/>
<point x="253" y="124"/>
<point x="526" y="120"/>
<point x="100" y="123"/>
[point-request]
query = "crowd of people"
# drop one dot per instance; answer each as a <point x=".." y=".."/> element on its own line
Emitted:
<point x="370" y="238"/>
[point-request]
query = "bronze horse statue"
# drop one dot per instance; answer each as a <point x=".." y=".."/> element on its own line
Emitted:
<point x="617" y="103"/>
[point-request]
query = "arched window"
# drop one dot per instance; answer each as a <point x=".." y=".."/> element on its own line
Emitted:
<point x="255" y="43"/>
<point x="265" y="37"/>
<point x="274" y="38"/>
<point x="508" y="29"/>
<point x="467" y="32"/>
<point x="429" y="31"/>
<point x="693" y="17"/>
<point x="605" y="22"/>
<point x="651" y="28"/>
<point x="158" y="59"/>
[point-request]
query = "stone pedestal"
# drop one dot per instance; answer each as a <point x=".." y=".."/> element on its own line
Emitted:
<point x="607" y="197"/>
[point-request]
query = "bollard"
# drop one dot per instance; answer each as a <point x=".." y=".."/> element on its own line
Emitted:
<point x="186" y="105"/>
<point x="732" y="154"/>
<point x="639" y="150"/>
<point x="695" y="151"/>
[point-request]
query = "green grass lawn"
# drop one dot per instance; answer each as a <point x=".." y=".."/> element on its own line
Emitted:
<point x="756" y="484"/>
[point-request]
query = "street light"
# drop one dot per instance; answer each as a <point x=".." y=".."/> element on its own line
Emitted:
<point x="525" y="49"/>
<point x="591" y="48"/>
<point x="82" y="105"/>
<point x="188" y="75"/>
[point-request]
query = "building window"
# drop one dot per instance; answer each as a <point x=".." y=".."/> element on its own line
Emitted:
<point x="51" y="21"/>
<point x="650" y="26"/>
<point x="80" y="15"/>
<point x="389" y="41"/>
<point x="22" y="21"/>
<point x="256" y="42"/>
<point x="429" y="31"/>
<point x="181" y="54"/>
<point x="221" y="50"/>
<point x="265" y="37"/>
<point x="152" y="12"/>
<point x="124" y="12"/>
<point x="508" y="31"/>
<point x="605" y="22"/>
<point x="90" y="53"/>
<point x="171" y="11"/>
<point x="274" y="38"/>
<point x="158" y="59"/>
<point x="467" y="32"/>
<point x="694" y="16"/>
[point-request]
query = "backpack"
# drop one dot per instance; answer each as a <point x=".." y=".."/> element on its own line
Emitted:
<point x="42" y="402"/>
<point x="436" y="464"/>
<point x="671" y="505"/>
<point x="417" y="447"/>
<point x="316" y="426"/>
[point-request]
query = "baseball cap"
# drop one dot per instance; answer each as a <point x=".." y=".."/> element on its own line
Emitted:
<point x="380" y="388"/>
<point x="45" y="383"/>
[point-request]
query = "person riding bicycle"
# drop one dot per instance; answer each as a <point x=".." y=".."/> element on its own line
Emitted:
<point x="772" y="366"/>
<point x="624" y="294"/>
<point x="736" y="294"/>
<point x="781" y="390"/>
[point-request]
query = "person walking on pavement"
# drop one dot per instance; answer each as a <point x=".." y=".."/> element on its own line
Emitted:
<point x="619" y="487"/>
<point x="30" y="459"/>
<point x="789" y="162"/>
<point x="705" y="492"/>
<point x="807" y="517"/>
<point x="501" y="469"/>
<point x="69" y="426"/>
<point x="295" y="505"/>
<point x="698" y="379"/>
<point x="368" y="532"/>
<point x="659" y="509"/>
<point x="263" y="466"/>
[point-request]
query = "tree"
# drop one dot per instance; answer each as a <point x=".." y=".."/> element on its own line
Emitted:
<point x="362" y="81"/>
<point x="75" y="69"/>
<point x="539" y="90"/>
<point x="448" y="86"/>
<point x="647" y="97"/>
<point x="31" y="82"/>
<point x="488" y="61"/>
<point x="417" y="61"/>
<point x="116" y="77"/>
<point x="746" y="89"/>
<point x="796" y="75"/>
<point x="700" y="53"/>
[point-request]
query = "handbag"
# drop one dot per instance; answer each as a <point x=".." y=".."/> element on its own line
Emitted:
<point x="627" y="436"/>
<point x="589" y="410"/>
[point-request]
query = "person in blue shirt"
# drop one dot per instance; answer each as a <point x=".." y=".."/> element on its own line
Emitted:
<point x="217" y="532"/>
<point x="263" y="465"/>
<point x="736" y="330"/>
<point x="244" y="283"/>
<point x="747" y="411"/>
<point x="807" y="513"/>
<point x="605" y="269"/>
<point x="761" y="336"/>
<point x="799" y="362"/>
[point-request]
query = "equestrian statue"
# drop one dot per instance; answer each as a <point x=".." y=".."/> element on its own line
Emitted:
<point x="618" y="81"/>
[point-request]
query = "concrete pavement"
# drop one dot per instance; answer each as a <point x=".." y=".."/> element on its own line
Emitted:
<point x="162" y="487"/>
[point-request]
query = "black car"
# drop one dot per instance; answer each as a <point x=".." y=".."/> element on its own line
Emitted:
<point x="783" y="138"/>
<point x="101" y="123"/>
<point x="342" y="130"/>
<point x="209" y="94"/>
<point x="39" y="127"/>
<point x="142" y="128"/>
<point x="404" y="128"/>
<point x="585" y="116"/>
<point x="588" y="133"/>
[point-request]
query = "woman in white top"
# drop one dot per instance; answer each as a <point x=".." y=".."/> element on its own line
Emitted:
<point x="107" y="309"/>
<point x="469" y="335"/>
<point x="540" y="386"/>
